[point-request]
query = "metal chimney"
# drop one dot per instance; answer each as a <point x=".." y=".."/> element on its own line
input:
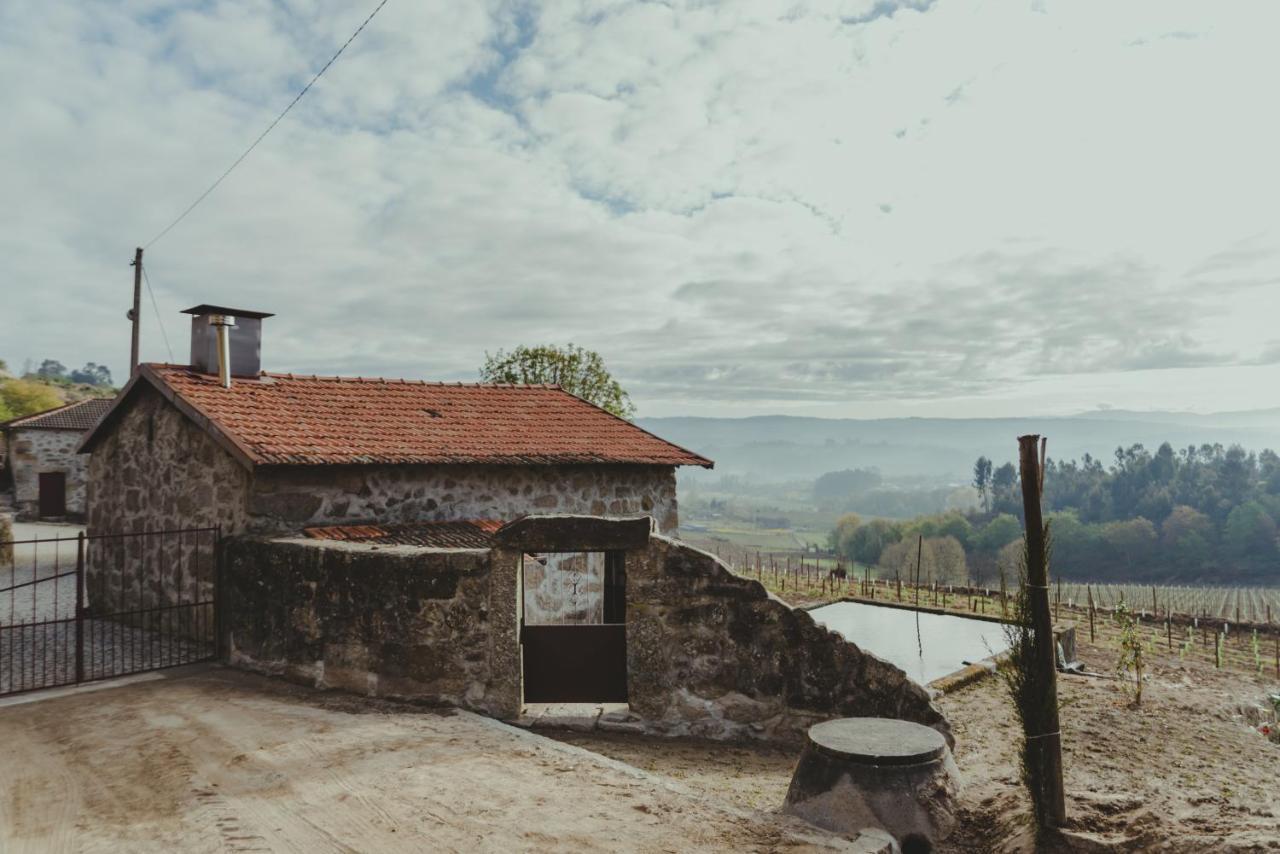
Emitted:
<point x="233" y="349"/>
<point x="223" y="324"/>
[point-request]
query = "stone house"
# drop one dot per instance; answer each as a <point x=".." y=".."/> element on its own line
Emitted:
<point x="274" y="453"/>
<point x="49" y="477"/>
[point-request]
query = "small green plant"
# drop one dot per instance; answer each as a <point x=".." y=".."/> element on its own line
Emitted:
<point x="1187" y="645"/>
<point x="1131" y="664"/>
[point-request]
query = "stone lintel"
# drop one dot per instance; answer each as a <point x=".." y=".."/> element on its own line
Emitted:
<point x="564" y="532"/>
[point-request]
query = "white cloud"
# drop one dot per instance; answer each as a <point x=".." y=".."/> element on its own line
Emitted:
<point x="838" y="207"/>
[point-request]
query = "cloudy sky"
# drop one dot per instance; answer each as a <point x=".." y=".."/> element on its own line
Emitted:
<point x="837" y="207"/>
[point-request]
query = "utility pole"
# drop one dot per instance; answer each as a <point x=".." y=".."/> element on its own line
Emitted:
<point x="135" y="313"/>
<point x="1047" y="739"/>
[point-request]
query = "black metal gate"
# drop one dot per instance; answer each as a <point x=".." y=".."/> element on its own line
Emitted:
<point x="78" y="609"/>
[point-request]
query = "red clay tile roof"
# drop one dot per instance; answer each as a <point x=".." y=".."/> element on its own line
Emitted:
<point x="281" y="419"/>
<point x="80" y="415"/>
<point x="470" y="534"/>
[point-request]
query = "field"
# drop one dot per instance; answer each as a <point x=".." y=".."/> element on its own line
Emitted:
<point x="1236" y="604"/>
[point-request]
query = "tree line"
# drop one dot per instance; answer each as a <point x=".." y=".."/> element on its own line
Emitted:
<point x="1199" y="514"/>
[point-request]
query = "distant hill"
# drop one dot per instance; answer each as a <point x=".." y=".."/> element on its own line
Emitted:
<point x="780" y="447"/>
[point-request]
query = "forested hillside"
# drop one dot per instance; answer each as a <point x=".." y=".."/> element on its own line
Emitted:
<point x="1199" y="514"/>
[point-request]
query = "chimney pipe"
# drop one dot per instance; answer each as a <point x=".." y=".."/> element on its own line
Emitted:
<point x="223" y="324"/>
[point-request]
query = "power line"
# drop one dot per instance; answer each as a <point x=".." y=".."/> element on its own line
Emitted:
<point x="270" y="127"/>
<point x="156" y="308"/>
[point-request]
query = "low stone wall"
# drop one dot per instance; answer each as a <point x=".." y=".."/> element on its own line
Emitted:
<point x="709" y="654"/>
<point x="424" y="625"/>
<point x="714" y="655"/>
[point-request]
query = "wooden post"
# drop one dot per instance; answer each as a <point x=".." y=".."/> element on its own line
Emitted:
<point x="135" y="313"/>
<point x="1217" y="650"/>
<point x="1168" y="623"/>
<point x="1046" y="732"/>
<point x="1155" y="604"/>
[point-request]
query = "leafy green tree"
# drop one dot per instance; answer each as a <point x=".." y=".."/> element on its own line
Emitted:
<point x="870" y="540"/>
<point x="1132" y="539"/>
<point x="999" y="532"/>
<point x="92" y="374"/>
<point x="841" y="536"/>
<point x="51" y="369"/>
<point x="577" y="370"/>
<point x="1250" y="533"/>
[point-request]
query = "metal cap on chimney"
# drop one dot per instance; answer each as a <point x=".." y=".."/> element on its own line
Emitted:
<point x="237" y="330"/>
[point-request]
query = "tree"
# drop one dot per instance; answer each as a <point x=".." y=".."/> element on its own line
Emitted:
<point x="1250" y="533"/>
<point x="577" y="370"/>
<point x="999" y="531"/>
<point x="22" y="397"/>
<point x="1132" y="539"/>
<point x="842" y="534"/>
<point x="51" y="369"/>
<point x="871" y="539"/>
<point x="92" y="374"/>
<point x="950" y="566"/>
<point x="982" y="480"/>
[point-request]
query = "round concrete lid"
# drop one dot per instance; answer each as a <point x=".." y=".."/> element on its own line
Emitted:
<point x="878" y="741"/>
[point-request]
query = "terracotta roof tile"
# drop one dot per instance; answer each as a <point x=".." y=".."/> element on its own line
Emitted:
<point x="469" y="534"/>
<point x="80" y="415"/>
<point x="299" y="420"/>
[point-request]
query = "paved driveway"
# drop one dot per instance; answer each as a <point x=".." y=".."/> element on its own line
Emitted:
<point x="217" y="760"/>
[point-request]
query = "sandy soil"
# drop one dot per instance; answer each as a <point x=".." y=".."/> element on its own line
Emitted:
<point x="217" y="760"/>
<point x="1183" y="773"/>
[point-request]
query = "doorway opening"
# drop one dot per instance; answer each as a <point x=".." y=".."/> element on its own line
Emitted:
<point x="574" y="633"/>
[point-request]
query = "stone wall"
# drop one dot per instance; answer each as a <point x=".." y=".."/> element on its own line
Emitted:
<point x="419" y="624"/>
<point x="34" y="451"/>
<point x="714" y="655"/>
<point x="708" y="653"/>
<point x="156" y="470"/>
<point x="287" y="498"/>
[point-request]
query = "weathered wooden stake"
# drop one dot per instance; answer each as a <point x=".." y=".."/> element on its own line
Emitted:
<point x="1044" y="734"/>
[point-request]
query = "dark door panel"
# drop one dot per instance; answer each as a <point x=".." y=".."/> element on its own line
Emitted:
<point x="53" y="493"/>
<point x="575" y="664"/>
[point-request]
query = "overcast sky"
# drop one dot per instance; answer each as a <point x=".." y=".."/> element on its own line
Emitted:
<point x="859" y="208"/>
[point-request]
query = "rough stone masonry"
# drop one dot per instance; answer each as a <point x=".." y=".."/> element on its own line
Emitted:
<point x="709" y="654"/>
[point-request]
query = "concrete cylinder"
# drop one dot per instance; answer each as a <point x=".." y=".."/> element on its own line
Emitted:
<point x="860" y="773"/>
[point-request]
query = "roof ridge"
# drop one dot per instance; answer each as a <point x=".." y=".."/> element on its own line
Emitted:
<point x="280" y="375"/>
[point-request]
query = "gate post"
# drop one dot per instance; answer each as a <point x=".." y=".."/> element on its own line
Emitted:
<point x="80" y="608"/>
<point x="219" y="642"/>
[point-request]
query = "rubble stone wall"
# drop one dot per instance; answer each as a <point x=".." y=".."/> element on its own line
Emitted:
<point x="34" y="451"/>
<point x="286" y="498"/>
<point x="711" y="654"/>
<point x="432" y="626"/>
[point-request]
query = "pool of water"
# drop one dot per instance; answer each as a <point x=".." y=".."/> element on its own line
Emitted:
<point x="948" y="642"/>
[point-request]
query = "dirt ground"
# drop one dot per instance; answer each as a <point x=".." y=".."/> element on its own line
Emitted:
<point x="1182" y="773"/>
<point x="216" y="760"/>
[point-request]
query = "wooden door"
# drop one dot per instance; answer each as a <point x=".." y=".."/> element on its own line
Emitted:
<point x="53" y="493"/>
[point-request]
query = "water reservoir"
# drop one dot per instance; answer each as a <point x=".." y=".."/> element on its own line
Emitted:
<point x="948" y="642"/>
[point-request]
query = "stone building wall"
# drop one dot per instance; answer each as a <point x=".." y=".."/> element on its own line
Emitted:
<point x="711" y="654"/>
<point x="411" y="623"/>
<point x="34" y="451"/>
<point x="287" y="498"/>
<point x="157" y="471"/>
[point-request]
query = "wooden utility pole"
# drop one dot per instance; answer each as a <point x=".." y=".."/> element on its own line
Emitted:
<point x="1043" y="734"/>
<point x="135" y="313"/>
